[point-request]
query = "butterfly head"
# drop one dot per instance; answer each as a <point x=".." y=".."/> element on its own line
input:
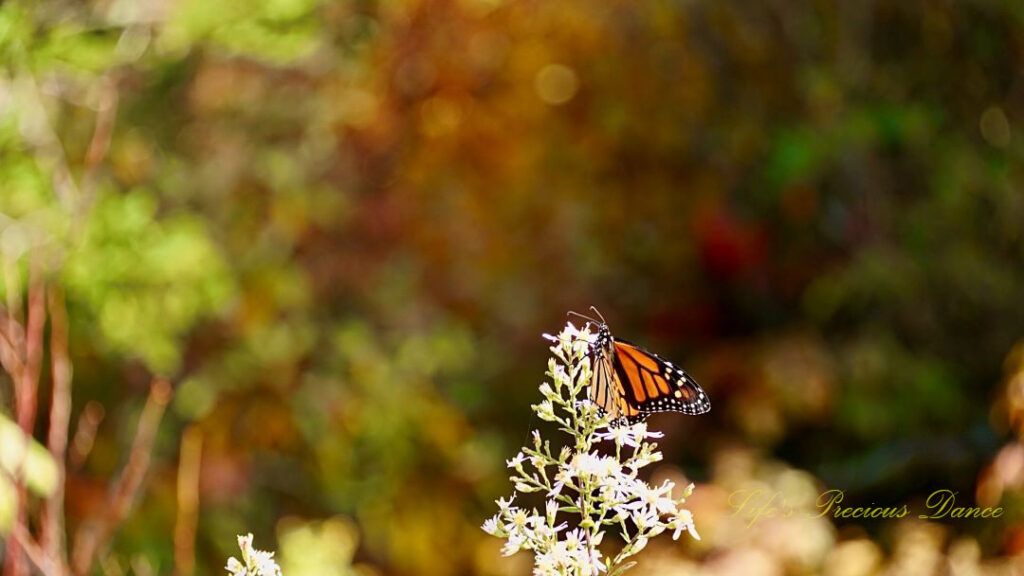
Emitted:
<point x="603" y="342"/>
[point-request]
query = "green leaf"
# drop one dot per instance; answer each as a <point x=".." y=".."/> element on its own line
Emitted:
<point x="29" y="460"/>
<point x="621" y="568"/>
<point x="8" y="503"/>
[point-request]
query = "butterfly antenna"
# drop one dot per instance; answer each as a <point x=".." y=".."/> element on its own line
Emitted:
<point x="587" y="318"/>
<point x="596" y="311"/>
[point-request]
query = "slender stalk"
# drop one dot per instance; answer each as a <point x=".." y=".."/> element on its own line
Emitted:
<point x="188" y="501"/>
<point x="35" y="554"/>
<point x="95" y="535"/>
<point x="85" y="433"/>
<point x="26" y="387"/>
<point x="52" y="522"/>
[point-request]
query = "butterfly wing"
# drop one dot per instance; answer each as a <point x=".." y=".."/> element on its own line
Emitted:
<point x="649" y="384"/>
<point x="606" y="391"/>
<point x="606" y="388"/>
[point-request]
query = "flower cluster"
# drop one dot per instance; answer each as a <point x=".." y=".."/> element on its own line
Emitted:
<point x="254" y="562"/>
<point x="600" y="491"/>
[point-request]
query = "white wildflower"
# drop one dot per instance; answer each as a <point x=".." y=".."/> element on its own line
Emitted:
<point x="549" y="563"/>
<point x="604" y="492"/>
<point x="644" y="518"/>
<point x="547" y="392"/>
<point x="492" y="527"/>
<point x="551" y="509"/>
<point x="545" y="535"/>
<point x="618" y="490"/>
<point x="513" y="544"/>
<point x="594" y="560"/>
<point x="563" y="476"/>
<point x="630" y="436"/>
<point x="517" y="522"/>
<point x="505" y="505"/>
<point x="254" y="562"/>
<point x="589" y="464"/>
<point x="265" y="564"/>
<point x="682" y="522"/>
<point x="546" y="411"/>
<point x="234" y="567"/>
<point x="657" y="500"/>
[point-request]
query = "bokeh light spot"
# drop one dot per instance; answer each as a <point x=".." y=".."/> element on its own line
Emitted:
<point x="556" y="84"/>
<point x="995" y="128"/>
<point x="439" y="116"/>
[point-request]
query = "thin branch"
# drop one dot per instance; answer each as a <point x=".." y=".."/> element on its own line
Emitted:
<point x="21" y="345"/>
<point x="26" y="388"/>
<point x="52" y="522"/>
<point x="12" y="285"/>
<point x="188" y="501"/>
<point x="106" y="115"/>
<point x="48" y="566"/>
<point x="85" y="433"/>
<point x="26" y="392"/>
<point x="10" y="358"/>
<point x="96" y="534"/>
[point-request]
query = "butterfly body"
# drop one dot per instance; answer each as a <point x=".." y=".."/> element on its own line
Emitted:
<point x="630" y="383"/>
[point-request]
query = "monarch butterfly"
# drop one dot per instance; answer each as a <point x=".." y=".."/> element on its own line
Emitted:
<point x="630" y="383"/>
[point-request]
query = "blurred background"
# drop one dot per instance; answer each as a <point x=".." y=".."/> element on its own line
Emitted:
<point x="339" y="229"/>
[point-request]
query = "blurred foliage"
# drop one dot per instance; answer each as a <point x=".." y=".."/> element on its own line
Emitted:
<point x="324" y="548"/>
<point x="25" y="460"/>
<point x="340" y="228"/>
<point x="129" y="268"/>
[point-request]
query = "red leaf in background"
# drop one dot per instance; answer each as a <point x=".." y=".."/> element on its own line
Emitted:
<point x="728" y="247"/>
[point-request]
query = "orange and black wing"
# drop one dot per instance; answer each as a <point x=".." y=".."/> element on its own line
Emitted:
<point x="649" y="384"/>
<point x="608" y="393"/>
